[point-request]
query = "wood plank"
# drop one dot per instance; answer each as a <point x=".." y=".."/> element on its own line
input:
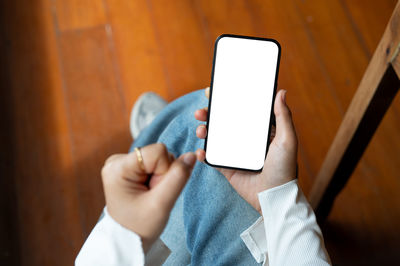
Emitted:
<point x="334" y="42"/>
<point x="361" y="216"/>
<point x="225" y="17"/>
<point x="376" y="174"/>
<point x="341" y="51"/>
<point x="369" y="18"/>
<point x="371" y="97"/>
<point x="183" y="47"/>
<point x="137" y="50"/>
<point x="57" y="137"/>
<point x="97" y="114"/>
<point x="47" y="206"/>
<point x="310" y="91"/>
<point x="79" y="14"/>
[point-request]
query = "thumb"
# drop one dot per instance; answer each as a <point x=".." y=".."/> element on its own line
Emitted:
<point x="285" y="130"/>
<point x="174" y="180"/>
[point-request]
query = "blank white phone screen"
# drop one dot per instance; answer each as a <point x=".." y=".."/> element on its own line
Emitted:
<point x="242" y="92"/>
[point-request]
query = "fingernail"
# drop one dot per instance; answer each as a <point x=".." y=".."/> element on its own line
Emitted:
<point x="284" y="96"/>
<point x="189" y="159"/>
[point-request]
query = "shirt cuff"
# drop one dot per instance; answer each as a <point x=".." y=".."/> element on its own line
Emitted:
<point x="110" y="243"/>
<point x="294" y="237"/>
<point x="157" y="254"/>
<point x="275" y="189"/>
<point x="255" y="240"/>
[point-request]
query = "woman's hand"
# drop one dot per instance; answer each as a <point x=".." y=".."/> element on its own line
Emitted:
<point x="280" y="163"/>
<point x="142" y="200"/>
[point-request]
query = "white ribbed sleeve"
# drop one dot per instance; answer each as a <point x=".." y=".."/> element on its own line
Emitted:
<point x="255" y="240"/>
<point x="288" y="223"/>
<point x="292" y="233"/>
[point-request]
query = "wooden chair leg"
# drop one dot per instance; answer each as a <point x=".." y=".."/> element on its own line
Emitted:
<point x="374" y="95"/>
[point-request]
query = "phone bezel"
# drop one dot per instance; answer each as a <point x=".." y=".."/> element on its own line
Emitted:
<point x="273" y="96"/>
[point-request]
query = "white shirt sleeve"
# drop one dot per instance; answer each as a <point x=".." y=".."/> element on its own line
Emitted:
<point x="291" y="233"/>
<point x="255" y="239"/>
<point x="111" y="244"/>
<point x="288" y="223"/>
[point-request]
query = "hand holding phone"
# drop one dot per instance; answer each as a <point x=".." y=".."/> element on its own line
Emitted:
<point x="280" y="164"/>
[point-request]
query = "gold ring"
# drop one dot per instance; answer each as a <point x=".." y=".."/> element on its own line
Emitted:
<point x="140" y="159"/>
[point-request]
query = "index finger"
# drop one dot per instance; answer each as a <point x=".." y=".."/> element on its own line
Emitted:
<point x="156" y="161"/>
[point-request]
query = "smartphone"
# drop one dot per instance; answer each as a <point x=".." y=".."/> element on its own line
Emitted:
<point x="240" y="110"/>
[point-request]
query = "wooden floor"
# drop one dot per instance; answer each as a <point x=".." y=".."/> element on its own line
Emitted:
<point x="70" y="71"/>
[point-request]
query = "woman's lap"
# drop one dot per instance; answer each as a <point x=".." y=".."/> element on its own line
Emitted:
<point x="205" y="224"/>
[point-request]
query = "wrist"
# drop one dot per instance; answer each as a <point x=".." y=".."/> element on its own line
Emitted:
<point x="270" y="184"/>
<point x="146" y="242"/>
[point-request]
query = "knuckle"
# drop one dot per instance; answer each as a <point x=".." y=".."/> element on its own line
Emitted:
<point x="180" y="169"/>
<point x="162" y="148"/>
<point x="107" y="165"/>
<point x="111" y="168"/>
<point x="106" y="173"/>
<point x="288" y="142"/>
<point x="111" y="158"/>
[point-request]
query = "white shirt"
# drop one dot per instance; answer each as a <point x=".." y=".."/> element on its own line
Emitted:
<point x="286" y="234"/>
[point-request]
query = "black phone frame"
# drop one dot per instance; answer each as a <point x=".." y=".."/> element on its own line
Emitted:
<point x="272" y="117"/>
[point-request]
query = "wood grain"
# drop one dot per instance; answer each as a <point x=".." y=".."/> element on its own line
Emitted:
<point x="137" y="49"/>
<point x="362" y="100"/>
<point x="322" y="20"/>
<point x="341" y="52"/>
<point x="79" y="14"/>
<point x="310" y="93"/>
<point x="47" y="206"/>
<point x="185" y="57"/>
<point x="354" y="209"/>
<point x="369" y="20"/>
<point x="71" y="70"/>
<point x="97" y="114"/>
